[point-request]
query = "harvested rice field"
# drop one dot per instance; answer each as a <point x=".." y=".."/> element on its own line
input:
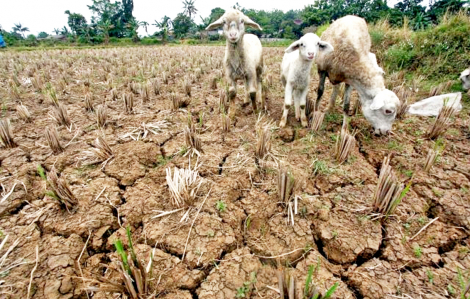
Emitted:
<point x="103" y="146"/>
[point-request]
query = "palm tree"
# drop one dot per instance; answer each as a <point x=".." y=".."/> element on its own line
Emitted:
<point x="19" y="28"/>
<point x="164" y="25"/>
<point x="56" y="31"/>
<point x="145" y="24"/>
<point x="189" y="8"/>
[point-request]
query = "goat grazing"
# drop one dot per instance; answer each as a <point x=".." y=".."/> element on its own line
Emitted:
<point x="295" y="73"/>
<point x="243" y="55"/>
<point x="352" y="63"/>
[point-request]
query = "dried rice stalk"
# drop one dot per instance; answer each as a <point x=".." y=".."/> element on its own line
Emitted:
<point x="263" y="142"/>
<point x="402" y="109"/>
<point x="286" y="284"/>
<point x="52" y="138"/>
<point x="156" y="86"/>
<point x="183" y="185"/>
<point x="114" y="94"/>
<point x="60" y="115"/>
<point x="145" y="93"/>
<point x="286" y="184"/>
<point x="430" y="159"/>
<point x="23" y="113"/>
<point x="101" y="116"/>
<point x="178" y="102"/>
<point x="345" y="143"/>
<point x="213" y="84"/>
<point x="164" y="78"/>
<point x="187" y="87"/>
<point x="6" y="134"/>
<point x="192" y="140"/>
<point x="269" y="80"/>
<point x="143" y="131"/>
<point x="317" y="120"/>
<point x="128" y="99"/>
<point x="389" y="191"/>
<point x="61" y="190"/>
<point x="89" y="102"/>
<point x="442" y="121"/>
<point x="134" y="87"/>
<point x="225" y="123"/>
<point x="309" y="108"/>
<point x="223" y="101"/>
<point x="102" y="150"/>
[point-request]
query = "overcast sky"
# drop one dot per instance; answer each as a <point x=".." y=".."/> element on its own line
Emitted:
<point x="45" y="15"/>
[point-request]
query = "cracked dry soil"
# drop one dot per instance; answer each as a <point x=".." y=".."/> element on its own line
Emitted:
<point x="333" y="229"/>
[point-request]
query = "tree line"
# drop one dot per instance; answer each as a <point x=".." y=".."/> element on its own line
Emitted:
<point x="115" y="20"/>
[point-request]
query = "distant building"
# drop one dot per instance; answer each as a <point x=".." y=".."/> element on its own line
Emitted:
<point x="55" y="37"/>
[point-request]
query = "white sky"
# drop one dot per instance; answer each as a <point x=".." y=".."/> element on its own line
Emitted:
<point x="45" y="15"/>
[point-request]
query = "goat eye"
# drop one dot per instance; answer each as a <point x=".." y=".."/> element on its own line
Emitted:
<point x="301" y="44"/>
<point x="388" y="112"/>
<point x="242" y="21"/>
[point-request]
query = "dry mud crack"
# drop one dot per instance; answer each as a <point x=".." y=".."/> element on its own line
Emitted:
<point x="241" y="234"/>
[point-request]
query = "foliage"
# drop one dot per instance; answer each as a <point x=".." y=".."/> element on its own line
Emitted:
<point x="181" y="25"/>
<point x="42" y="34"/>
<point x="76" y="22"/>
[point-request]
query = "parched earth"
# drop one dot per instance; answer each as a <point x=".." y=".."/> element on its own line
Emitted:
<point x="232" y="241"/>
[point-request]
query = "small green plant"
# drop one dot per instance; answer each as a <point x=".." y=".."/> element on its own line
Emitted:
<point x="422" y="220"/>
<point x="41" y="172"/>
<point x="183" y="150"/>
<point x="220" y="206"/>
<point x="310" y="290"/>
<point x="245" y="290"/>
<point x="464" y="285"/>
<point x="418" y="251"/>
<point x="430" y="276"/>
<point x="320" y="167"/>
<point x="451" y="289"/>
<point x="211" y="234"/>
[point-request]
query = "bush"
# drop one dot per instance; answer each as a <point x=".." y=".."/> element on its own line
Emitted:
<point x="438" y="53"/>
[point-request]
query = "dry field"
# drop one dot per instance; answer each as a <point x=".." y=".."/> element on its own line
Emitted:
<point x="90" y="136"/>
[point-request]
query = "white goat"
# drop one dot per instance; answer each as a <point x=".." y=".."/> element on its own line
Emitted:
<point x="295" y="73"/>
<point x="243" y="55"/>
<point x="465" y="78"/>
<point x="352" y="63"/>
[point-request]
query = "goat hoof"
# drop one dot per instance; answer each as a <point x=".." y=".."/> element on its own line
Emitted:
<point x="282" y="124"/>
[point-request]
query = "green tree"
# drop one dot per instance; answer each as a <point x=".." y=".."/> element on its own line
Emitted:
<point x="181" y="25"/>
<point x="128" y="7"/>
<point x="189" y="8"/>
<point x="42" y="34"/>
<point x="76" y="22"/>
<point x="114" y="12"/>
<point x="164" y="26"/>
<point x="216" y="13"/>
<point x="56" y="31"/>
<point x="440" y="7"/>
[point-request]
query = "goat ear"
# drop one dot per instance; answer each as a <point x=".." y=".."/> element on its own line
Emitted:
<point x="216" y="24"/>
<point x="250" y="23"/>
<point x="378" y="102"/>
<point x="294" y="46"/>
<point x="325" y="47"/>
